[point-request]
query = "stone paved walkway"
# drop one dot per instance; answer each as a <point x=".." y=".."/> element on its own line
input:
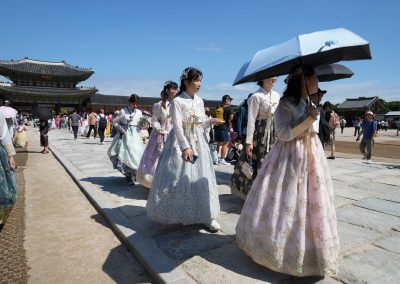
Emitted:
<point x="368" y="210"/>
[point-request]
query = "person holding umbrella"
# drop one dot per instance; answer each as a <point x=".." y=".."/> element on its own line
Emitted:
<point x="260" y="135"/>
<point x="288" y="221"/>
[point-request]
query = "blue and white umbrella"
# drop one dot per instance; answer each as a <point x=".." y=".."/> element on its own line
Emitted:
<point x="318" y="48"/>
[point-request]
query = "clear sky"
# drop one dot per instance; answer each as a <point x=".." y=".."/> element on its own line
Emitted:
<point x="134" y="46"/>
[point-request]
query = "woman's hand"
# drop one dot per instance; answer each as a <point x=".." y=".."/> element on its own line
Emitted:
<point x="162" y="132"/>
<point x="11" y="161"/>
<point x="313" y="112"/>
<point x="216" y="121"/>
<point x="187" y="155"/>
<point x="249" y="150"/>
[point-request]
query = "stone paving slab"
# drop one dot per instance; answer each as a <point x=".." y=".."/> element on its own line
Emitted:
<point x="395" y="196"/>
<point x="368" y="219"/>
<point x="219" y="265"/>
<point x="371" y="265"/>
<point x="176" y="254"/>
<point x="352" y="236"/>
<point x="342" y="201"/>
<point x="390" y="242"/>
<point x="375" y="187"/>
<point x="384" y="206"/>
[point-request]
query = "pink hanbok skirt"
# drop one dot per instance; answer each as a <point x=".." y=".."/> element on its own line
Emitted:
<point x="288" y="222"/>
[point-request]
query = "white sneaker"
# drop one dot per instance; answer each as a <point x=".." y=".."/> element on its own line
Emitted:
<point x="223" y="162"/>
<point x="213" y="226"/>
<point x="369" y="160"/>
<point x="216" y="163"/>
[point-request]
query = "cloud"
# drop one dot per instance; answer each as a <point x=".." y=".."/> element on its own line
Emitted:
<point x="211" y="47"/>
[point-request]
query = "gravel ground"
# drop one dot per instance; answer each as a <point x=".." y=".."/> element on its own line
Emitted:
<point x="13" y="264"/>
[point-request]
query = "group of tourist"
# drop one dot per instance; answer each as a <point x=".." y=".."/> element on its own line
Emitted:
<point x="288" y="222"/>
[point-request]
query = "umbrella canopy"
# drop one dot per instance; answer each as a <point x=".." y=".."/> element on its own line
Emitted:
<point x="332" y="72"/>
<point x="318" y="48"/>
<point x="8" y="111"/>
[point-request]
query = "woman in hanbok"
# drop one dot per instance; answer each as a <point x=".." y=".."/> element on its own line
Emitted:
<point x="8" y="185"/>
<point x="184" y="189"/>
<point x="161" y="121"/>
<point x="108" y="127"/>
<point x="127" y="147"/>
<point x="19" y="139"/>
<point x="288" y="221"/>
<point x="260" y="135"/>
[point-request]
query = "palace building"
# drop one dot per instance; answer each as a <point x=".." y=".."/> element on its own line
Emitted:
<point x="37" y="82"/>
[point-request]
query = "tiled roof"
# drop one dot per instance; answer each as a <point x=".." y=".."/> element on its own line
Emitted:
<point x="43" y="68"/>
<point x="359" y="103"/>
<point x="100" y="99"/>
<point x="393" y="113"/>
<point x="45" y="95"/>
<point x="9" y="88"/>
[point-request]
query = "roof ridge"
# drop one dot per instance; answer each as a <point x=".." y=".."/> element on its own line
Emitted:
<point x="53" y="63"/>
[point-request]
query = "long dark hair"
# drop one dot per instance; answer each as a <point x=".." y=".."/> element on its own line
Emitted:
<point x="168" y="85"/>
<point x="189" y="74"/>
<point x="295" y="80"/>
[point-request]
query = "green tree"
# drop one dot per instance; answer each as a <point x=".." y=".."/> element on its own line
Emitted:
<point x="393" y="106"/>
<point x="380" y="107"/>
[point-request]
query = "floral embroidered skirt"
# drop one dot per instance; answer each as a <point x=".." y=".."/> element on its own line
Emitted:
<point x="149" y="161"/>
<point x="126" y="151"/>
<point x="182" y="192"/>
<point x="240" y="184"/>
<point x="288" y="222"/>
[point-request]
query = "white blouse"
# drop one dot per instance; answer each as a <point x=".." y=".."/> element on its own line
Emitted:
<point x="128" y="116"/>
<point x="292" y="120"/>
<point x="186" y="111"/>
<point x="5" y="138"/>
<point x="261" y="105"/>
<point x="161" y="115"/>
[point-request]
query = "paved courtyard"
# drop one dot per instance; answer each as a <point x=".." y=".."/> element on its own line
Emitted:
<point x="368" y="210"/>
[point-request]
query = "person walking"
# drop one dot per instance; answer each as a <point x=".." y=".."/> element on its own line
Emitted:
<point x="184" y="189"/>
<point x="74" y="121"/>
<point x="342" y="124"/>
<point x="288" y="221"/>
<point x="127" y="147"/>
<point x="357" y="126"/>
<point x="368" y="131"/>
<point x="101" y="125"/>
<point x="8" y="185"/>
<point x="241" y="120"/>
<point x="332" y="119"/>
<point x="221" y="131"/>
<point x="161" y="121"/>
<point x="260" y="136"/>
<point x="92" y="120"/>
<point x="44" y="136"/>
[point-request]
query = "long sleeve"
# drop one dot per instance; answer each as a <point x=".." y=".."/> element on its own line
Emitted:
<point x="155" y="117"/>
<point x="5" y="137"/>
<point x="121" y="118"/>
<point x="253" y="108"/>
<point x="202" y="113"/>
<point x="285" y="116"/>
<point x="177" y="121"/>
